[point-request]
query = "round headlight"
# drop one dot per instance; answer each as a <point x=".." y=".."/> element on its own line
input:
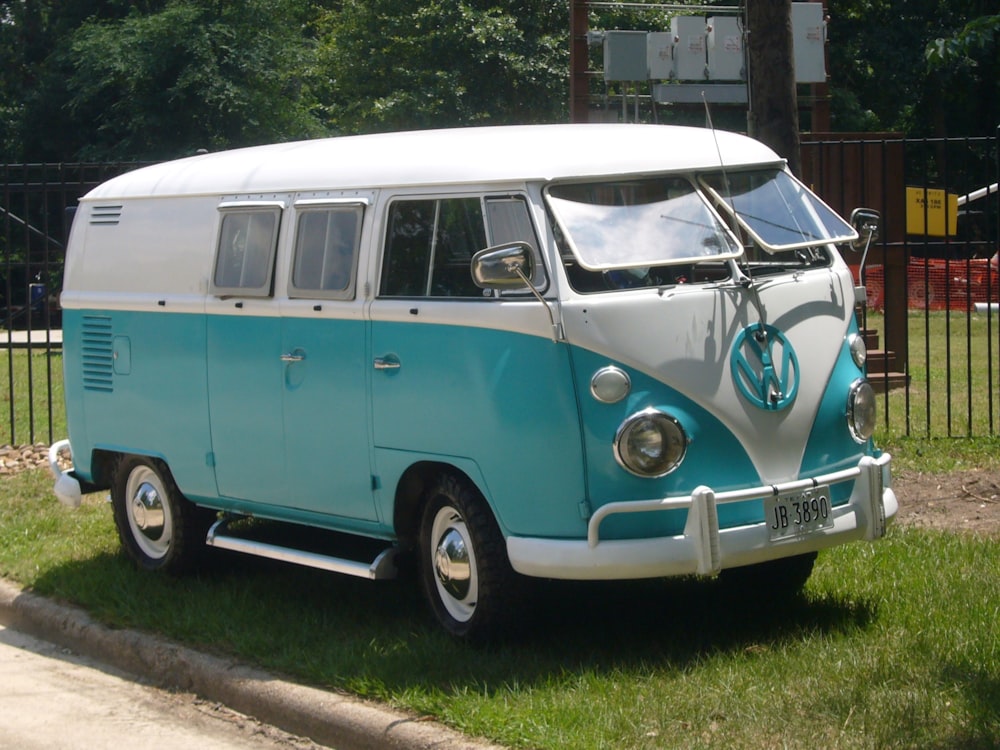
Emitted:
<point x="861" y="410"/>
<point x="859" y="349"/>
<point x="650" y="444"/>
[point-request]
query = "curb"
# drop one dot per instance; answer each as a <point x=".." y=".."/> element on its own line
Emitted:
<point x="333" y="719"/>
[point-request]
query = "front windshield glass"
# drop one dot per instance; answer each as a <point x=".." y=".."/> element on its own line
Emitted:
<point x="639" y="223"/>
<point x="776" y="210"/>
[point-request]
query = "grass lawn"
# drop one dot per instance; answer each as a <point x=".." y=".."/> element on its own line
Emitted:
<point x="895" y="644"/>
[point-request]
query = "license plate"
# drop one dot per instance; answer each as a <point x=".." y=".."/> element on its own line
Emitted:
<point x="797" y="513"/>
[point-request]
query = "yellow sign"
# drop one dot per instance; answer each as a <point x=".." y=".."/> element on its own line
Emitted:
<point x="941" y="207"/>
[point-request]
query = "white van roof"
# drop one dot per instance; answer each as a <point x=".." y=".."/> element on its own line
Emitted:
<point x="428" y="157"/>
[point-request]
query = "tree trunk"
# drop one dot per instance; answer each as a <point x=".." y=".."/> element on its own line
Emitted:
<point x="774" y="115"/>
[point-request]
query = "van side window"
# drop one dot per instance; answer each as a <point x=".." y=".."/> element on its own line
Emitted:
<point x="326" y="243"/>
<point x="245" y="258"/>
<point x="429" y="247"/>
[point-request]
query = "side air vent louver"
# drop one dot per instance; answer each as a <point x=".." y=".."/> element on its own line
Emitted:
<point x="105" y="215"/>
<point x="98" y="360"/>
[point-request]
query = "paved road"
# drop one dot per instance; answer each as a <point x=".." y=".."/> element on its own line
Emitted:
<point x="53" y="699"/>
<point x="331" y="718"/>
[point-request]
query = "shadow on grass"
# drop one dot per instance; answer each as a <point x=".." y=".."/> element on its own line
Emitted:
<point x="377" y="638"/>
<point x="981" y="690"/>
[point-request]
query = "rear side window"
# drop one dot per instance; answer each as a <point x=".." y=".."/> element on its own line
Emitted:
<point x="429" y="243"/>
<point x="244" y="261"/>
<point x="326" y="251"/>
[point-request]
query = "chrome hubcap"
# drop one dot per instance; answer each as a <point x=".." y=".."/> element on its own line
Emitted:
<point x="451" y="562"/>
<point x="454" y="564"/>
<point x="147" y="511"/>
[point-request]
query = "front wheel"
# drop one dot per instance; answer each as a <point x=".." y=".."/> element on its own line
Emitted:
<point x="159" y="528"/>
<point x="464" y="570"/>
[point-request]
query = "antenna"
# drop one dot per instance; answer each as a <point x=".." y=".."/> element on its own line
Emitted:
<point x="718" y="151"/>
<point x="743" y="278"/>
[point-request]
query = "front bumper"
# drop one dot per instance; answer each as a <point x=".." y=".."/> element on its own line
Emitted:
<point x="703" y="548"/>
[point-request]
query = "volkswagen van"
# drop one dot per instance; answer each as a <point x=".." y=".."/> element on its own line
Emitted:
<point x="564" y="351"/>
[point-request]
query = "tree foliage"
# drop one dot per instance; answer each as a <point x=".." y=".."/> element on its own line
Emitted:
<point x="977" y="37"/>
<point x="148" y="79"/>
<point x="192" y="75"/>
<point x="393" y="64"/>
<point x="889" y="71"/>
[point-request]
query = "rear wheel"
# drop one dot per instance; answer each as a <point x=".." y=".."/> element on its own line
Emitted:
<point x="159" y="528"/>
<point x="464" y="570"/>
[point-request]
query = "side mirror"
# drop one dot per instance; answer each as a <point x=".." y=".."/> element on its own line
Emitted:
<point x="503" y="266"/>
<point x="867" y="222"/>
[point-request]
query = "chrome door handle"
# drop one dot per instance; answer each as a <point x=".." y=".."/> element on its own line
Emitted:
<point x="387" y="363"/>
<point x="296" y="356"/>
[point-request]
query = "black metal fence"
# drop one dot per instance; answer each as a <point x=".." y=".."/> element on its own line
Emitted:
<point x="933" y="314"/>
<point x="931" y="279"/>
<point x="35" y="213"/>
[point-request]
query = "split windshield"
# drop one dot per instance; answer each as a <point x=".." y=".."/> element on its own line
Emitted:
<point x="672" y="229"/>
<point x="640" y="222"/>
<point x="777" y="210"/>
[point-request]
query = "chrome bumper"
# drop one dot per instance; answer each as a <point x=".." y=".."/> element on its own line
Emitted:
<point x="703" y="548"/>
<point x="67" y="487"/>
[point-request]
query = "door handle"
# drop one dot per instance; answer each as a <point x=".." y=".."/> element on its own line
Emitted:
<point x="297" y="356"/>
<point x="390" y="362"/>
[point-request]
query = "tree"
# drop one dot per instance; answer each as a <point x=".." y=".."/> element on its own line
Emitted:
<point x="969" y="60"/>
<point x="197" y="74"/>
<point x="33" y="84"/>
<point x="773" y="115"/>
<point x="977" y="36"/>
<point x="393" y="64"/>
<point x="883" y="76"/>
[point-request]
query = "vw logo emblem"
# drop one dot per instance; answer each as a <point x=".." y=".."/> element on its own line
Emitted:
<point x="765" y="368"/>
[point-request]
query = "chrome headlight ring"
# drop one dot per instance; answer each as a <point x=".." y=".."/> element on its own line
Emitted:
<point x="650" y="444"/>
<point x="861" y="409"/>
<point x="859" y="349"/>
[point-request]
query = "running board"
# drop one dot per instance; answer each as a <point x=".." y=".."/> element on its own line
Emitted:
<point x="381" y="568"/>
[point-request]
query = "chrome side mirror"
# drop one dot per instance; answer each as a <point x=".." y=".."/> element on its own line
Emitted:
<point x="508" y="266"/>
<point x="867" y="222"/>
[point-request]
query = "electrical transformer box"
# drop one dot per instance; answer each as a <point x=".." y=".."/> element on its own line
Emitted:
<point x="660" y="55"/>
<point x="625" y="56"/>
<point x="808" y="38"/>
<point x="725" y="49"/>
<point x="689" y="47"/>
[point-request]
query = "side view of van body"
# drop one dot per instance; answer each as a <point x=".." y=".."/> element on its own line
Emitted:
<point x="565" y="351"/>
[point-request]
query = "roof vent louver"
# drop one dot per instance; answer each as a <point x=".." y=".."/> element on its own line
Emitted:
<point x="105" y="215"/>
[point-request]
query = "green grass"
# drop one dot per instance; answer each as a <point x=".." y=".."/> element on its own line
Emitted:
<point x="894" y="645"/>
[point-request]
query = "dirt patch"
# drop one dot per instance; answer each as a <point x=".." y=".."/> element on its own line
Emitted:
<point x="966" y="501"/>
<point x="959" y="501"/>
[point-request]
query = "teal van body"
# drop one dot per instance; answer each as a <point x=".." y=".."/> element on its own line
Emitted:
<point x="584" y="352"/>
